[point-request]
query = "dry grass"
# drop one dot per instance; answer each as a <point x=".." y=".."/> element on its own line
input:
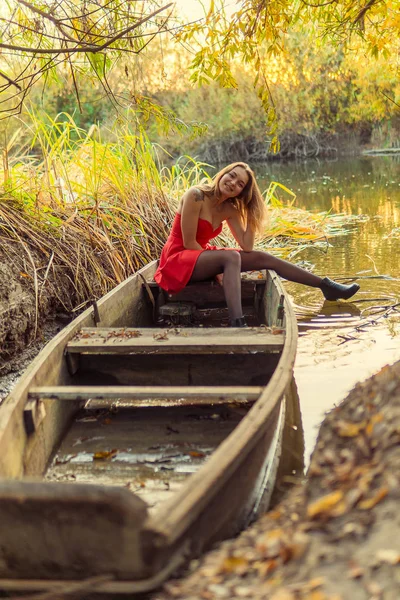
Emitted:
<point x="87" y="213"/>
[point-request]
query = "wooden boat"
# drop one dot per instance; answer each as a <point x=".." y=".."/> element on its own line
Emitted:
<point x="132" y="443"/>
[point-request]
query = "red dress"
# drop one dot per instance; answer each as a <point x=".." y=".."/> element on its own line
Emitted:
<point x="177" y="262"/>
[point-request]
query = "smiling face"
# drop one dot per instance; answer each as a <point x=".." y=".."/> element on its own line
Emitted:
<point x="233" y="183"/>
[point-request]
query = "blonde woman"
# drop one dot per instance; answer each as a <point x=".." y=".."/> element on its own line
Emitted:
<point x="234" y="197"/>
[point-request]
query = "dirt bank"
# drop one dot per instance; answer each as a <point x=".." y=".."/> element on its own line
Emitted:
<point x="336" y="536"/>
<point x="31" y="298"/>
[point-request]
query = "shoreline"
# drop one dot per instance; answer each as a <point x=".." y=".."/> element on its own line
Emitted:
<point x="335" y="535"/>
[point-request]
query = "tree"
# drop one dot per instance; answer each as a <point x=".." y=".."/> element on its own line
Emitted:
<point x="43" y="39"/>
<point x="259" y="28"/>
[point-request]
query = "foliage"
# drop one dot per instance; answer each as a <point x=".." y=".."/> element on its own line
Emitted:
<point x="70" y="40"/>
<point x="96" y="211"/>
<point x="257" y="31"/>
<point x="40" y="39"/>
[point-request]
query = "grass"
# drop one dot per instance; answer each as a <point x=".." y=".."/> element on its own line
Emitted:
<point x="87" y="212"/>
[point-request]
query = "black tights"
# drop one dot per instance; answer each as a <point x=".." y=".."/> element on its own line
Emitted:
<point x="232" y="262"/>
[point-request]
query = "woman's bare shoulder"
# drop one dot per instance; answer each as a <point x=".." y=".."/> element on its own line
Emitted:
<point x="195" y="194"/>
<point x="191" y="198"/>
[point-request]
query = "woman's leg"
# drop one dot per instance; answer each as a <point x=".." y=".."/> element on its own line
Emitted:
<point x="332" y="290"/>
<point x="212" y="262"/>
<point x="256" y="260"/>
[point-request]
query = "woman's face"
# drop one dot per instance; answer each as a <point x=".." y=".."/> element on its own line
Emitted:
<point x="233" y="183"/>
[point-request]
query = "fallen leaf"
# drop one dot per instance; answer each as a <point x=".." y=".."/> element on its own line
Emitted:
<point x="196" y="454"/>
<point x="235" y="564"/>
<point x="265" y="567"/>
<point x="315" y="582"/>
<point x="283" y="595"/>
<point x="105" y="454"/>
<point x="275" y="514"/>
<point x="317" y="595"/>
<point x="371" y="502"/>
<point x="378" y="418"/>
<point x="356" y="572"/>
<point x="347" y="429"/>
<point x="324" y="504"/>
<point x="160" y="336"/>
<point x="388" y="556"/>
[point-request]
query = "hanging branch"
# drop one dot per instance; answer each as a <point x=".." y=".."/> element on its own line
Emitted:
<point x="65" y="31"/>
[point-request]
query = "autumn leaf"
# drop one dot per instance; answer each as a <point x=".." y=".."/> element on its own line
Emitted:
<point x="371" y="502"/>
<point x="347" y="429"/>
<point x="105" y="455"/>
<point x="325" y="504"/>
<point x="392" y="557"/>
<point x="372" y="422"/>
<point x="235" y="564"/>
<point x="196" y="454"/>
<point x="160" y="336"/>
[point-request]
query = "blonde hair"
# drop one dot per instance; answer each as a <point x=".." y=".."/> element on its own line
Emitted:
<point x="249" y="203"/>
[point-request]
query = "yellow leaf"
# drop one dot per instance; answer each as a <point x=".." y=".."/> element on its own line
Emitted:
<point x="372" y="422"/>
<point x="347" y="429"/>
<point x="105" y="455"/>
<point x="324" y="504"/>
<point x="234" y="564"/>
<point x="371" y="502"/>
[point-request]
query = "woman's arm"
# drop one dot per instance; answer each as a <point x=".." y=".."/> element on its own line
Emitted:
<point x="244" y="235"/>
<point x="191" y="206"/>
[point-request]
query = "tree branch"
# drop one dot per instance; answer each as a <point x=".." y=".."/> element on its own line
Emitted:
<point x="89" y="48"/>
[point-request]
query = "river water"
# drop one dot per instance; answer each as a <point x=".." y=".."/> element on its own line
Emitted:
<point x="334" y="352"/>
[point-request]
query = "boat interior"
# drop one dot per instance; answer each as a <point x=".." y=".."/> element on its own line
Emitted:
<point x="134" y="397"/>
<point x="160" y="392"/>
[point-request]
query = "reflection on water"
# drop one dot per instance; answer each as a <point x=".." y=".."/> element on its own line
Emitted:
<point x="342" y="343"/>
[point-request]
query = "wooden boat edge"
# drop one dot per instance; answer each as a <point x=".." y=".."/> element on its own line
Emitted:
<point x="224" y="459"/>
<point x="189" y="501"/>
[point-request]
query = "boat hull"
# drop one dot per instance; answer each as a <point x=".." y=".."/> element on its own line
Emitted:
<point x="64" y="525"/>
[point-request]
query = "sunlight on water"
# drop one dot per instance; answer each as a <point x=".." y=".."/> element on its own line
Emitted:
<point x="342" y="343"/>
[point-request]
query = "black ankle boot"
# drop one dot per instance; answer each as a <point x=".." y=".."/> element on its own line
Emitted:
<point x="333" y="290"/>
<point x="240" y="322"/>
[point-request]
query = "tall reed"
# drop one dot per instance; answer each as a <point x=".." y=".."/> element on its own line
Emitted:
<point x="91" y="211"/>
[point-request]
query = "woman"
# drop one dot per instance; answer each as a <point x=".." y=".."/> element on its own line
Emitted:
<point x="232" y="196"/>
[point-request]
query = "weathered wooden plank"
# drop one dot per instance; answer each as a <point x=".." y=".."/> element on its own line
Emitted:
<point x="176" y="369"/>
<point x="143" y="396"/>
<point x="206" y="293"/>
<point x="185" y="341"/>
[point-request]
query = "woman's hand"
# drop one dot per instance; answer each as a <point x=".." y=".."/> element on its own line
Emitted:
<point x="243" y="234"/>
<point x="192" y="202"/>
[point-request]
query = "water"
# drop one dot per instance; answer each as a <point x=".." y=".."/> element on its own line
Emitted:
<point x="333" y="353"/>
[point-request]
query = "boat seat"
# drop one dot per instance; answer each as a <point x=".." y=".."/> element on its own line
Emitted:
<point x="230" y="340"/>
<point x="209" y="293"/>
<point x="148" y="396"/>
